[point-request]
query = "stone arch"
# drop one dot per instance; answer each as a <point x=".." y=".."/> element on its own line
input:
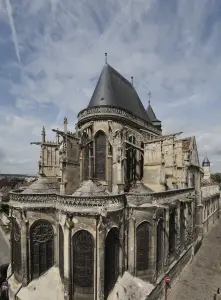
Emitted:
<point x="100" y="155"/>
<point x="61" y="250"/>
<point x="16" y="249"/>
<point x="83" y="262"/>
<point x="41" y="247"/>
<point x="142" y="246"/>
<point x="111" y="270"/>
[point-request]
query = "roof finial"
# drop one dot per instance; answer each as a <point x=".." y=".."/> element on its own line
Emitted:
<point x="132" y="80"/>
<point x="149" y="97"/>
<point x="105" y="57"/>
<point x="65" y="125"/>
<point x="43" y="134"/>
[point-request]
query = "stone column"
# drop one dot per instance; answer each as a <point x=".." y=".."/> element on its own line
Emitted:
<point x="100" y="267"/>
<point x="81" y="166"/>
<point x="131" y="245"/>
<point x="109" y="172"/>
<point x="177" y="220"/>
<point x="166" y="238"/>
<point x="67" y="263"/>
<point x="153" y="251"/>
<point x="24" y="247"/>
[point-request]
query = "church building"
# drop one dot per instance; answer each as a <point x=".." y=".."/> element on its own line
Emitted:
<point x="116" y="207"/>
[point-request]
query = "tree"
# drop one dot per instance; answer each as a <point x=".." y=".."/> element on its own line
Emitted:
<point x="216" y="177"/>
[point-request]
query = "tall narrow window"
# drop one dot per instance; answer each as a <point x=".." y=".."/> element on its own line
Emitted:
<point x="61" y="251"/>
<point x="172" y="232"/>
<point x="100" y="155"/>
<point x="111" y="260"/>
<point x="83" y="259"/>
<point x="86" y="162"/>
<point x="182" y="225"/>
<point x="142" y="239"/>
<point x="42" y="247"/>
<point x="16" y="249"/>
<point x="159" y="259"/>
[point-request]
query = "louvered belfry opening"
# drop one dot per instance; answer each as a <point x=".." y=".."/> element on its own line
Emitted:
<point x="83" y="262"/>
<point x="142" y="240"/>
<point x="100" y="155"/>
<point x="42" y="247"/>
<point x="111" y="260"/>
<point x="16" y="249"/>
<point x="61" y="251"/>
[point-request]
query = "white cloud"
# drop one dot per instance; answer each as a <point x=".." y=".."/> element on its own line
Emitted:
<point x="162" y="44"/>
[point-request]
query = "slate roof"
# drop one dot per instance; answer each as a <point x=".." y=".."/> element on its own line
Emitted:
<point x="43" y="185"/>
<point x="113" y="89"/>
<point x="205" y="161"/>
<point x="151" y="114"/>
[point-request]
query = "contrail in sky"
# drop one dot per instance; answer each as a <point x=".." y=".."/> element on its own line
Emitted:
<point x="12" y="25"/>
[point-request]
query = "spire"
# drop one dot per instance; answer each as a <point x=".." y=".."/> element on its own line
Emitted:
<point x="43" y="134"/>
<point x="206" y="162"/>
<point x="132" y="80"/>
<point x="106" y="58"/>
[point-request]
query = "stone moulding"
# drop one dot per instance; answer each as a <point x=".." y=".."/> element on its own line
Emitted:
<point x="59" y="201"/>
<point x="114" y="112"/>
<point x="109" y="202"/>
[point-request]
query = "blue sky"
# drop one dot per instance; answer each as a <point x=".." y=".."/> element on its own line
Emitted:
<point x="52" y="52"/>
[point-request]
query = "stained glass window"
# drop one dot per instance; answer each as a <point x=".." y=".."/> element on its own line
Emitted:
<point x="111" y="260"/>
<point x="159" y="244"/>
<point x="16" y="249"/>
<point x="83" y="259"/>
<point x="42" y="247"/>
<point x="100" y="155"/>
<point x="142" y="239"/>
<point x="61" y="251"/>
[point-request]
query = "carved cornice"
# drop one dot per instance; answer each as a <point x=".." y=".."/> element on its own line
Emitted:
<point x="109" y="112"/>
<point x="59" y="201"/>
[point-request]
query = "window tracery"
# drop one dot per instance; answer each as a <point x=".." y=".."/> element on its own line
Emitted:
<point x="42" y="247"/>
<point x="100" y="155"/>
<point x="83" y="259"/>
<point x="142" y="240"/>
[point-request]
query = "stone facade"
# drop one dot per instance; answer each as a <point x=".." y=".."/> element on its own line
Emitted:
<point x="116" y="207"/>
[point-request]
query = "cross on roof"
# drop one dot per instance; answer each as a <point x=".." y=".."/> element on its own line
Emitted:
<point x="149" y="96"/>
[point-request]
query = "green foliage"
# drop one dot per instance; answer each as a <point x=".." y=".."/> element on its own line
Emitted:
<point x="216" y="177"/>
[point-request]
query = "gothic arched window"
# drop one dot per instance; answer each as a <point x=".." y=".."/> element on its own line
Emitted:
<point x="111" y="272"/>
<point x="159" y="245"/>
<point x="100" y="155"/>
<point x="182" y="225"/>
<point x="16" y="249"/>
<point x="61" y="251"/>
<point x="42" y="247"/>
<point x="83" y="259"/>
<point x="142" y="240"/>
<point x="172" y="232"/>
